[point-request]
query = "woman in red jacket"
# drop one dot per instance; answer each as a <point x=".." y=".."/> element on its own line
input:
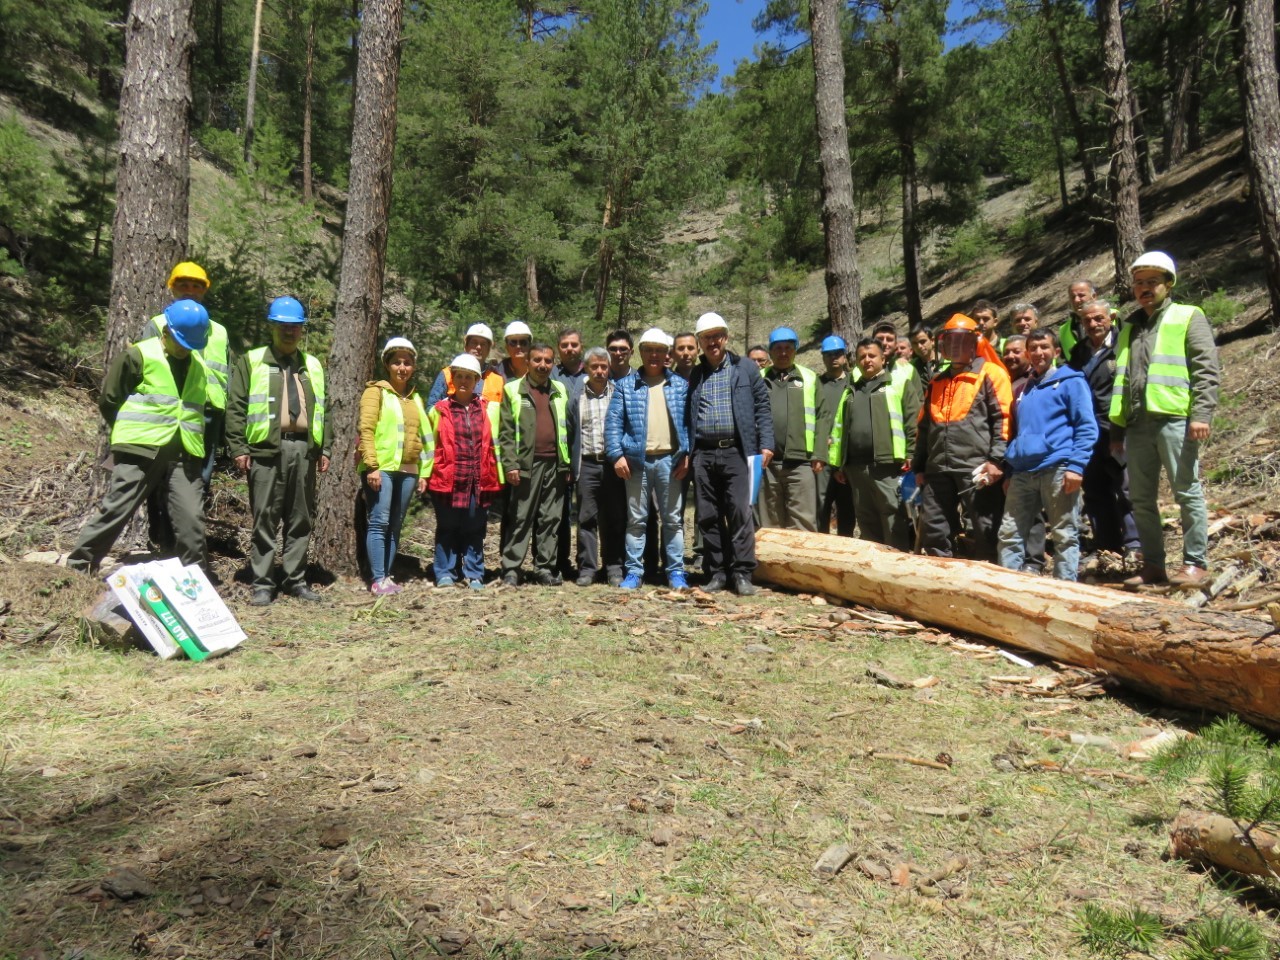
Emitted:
<point x="464" y="475"/>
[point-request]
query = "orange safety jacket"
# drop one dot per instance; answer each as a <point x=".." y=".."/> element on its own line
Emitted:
<point x="491" y="384"/>
<point x="964" y="420"/>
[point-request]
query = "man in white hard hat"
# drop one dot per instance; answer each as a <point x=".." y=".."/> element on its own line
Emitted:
<point x="728" y="420"/>
<point x="1162" y="402"/>
<point x="477" y="341"/>
<point x="517" y="339"/>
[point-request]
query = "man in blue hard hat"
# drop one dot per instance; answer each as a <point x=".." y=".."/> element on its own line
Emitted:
<point x="280" y="437"/>
<point x="789" y="490"/>
<point x="154" y="398"/>
<point x="833" y="498"/>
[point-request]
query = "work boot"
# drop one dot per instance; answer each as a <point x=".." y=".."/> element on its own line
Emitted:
<point x="743" y="586"/>
<point x="717" y="583"/>
<point x="261" y="597"/>
<point x="1189" y="576"/>
<point x="511" y="579"/>
<point x="300" y="591"/>
<point x="1145" y="577"/>
<point x="547" y="578"/>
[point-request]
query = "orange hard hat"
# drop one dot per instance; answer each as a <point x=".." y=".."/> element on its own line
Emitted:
<point x="959" y="323"/>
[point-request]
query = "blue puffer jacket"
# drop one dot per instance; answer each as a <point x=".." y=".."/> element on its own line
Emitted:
<point x="1053" y="423"/>
<point x="626" y="425"/>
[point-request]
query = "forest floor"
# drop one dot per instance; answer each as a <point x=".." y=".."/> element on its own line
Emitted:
<point x="553" y="773"/>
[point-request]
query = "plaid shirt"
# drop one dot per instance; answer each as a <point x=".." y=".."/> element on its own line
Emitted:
<point x="715" y="409"/>
<point x="469" y="427"/>
<point x="592" y="411"/>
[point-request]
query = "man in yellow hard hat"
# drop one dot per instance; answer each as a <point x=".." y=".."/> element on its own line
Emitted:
<point x="189" y="281"/>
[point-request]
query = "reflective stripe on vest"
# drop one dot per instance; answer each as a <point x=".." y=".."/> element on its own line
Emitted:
<point x="216" y="356"/>
<point x="559" y="409"/>
<point x="893" y="393"/>
<point x="258" y="414"/>
<point x="151" y="416"/>
<point x="388" y="436"/>
<point x="809" y="397"/>
<point x="1168" y="390"/>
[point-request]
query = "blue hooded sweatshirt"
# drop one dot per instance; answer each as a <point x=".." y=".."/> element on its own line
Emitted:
<point x="1054" y="424"/>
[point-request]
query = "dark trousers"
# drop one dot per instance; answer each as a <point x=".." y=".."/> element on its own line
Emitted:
<point x="1106" y="500"/>
<point x="944" y="496"/>
<point x="601" y="520"/>
<point x="535" y="509"/>
<point x="834" y="498"/>
<point x="722" y="487"/>
<point x="160" y="527"/>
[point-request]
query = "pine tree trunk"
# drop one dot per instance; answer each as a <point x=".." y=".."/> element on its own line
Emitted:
<point x="307" y="82"/>
<point x="1258" y="87"/>
<point x="531" y="298"/>
<point x="149" y="230"/>
<point x="252" y="95"/>
<point x="1060" y="158"/>
<point x="1181" y="60"/>
<point x="1123" y="176"/>
<point x="1069" y="101"/>
<point x="911" y="234"/>
<point x="844" y="285"/>
<point x="604" y="257"/>
<point x="358" y="307"/>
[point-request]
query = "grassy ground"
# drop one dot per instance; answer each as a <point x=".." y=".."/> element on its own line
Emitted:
<point x="560" y="773"/>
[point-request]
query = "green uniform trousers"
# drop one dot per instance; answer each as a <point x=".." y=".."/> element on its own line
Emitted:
<point x="535" y="508"/>
<point x="133" y="478"/>
<point x="874" y="488"/>
<point x="282" y="489"/>
<point x="789" y="496"/>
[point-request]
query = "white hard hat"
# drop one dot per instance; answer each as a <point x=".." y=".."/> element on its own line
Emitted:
<point x="465" y="361"/>
<point x="710" y="321"/>
<point x="399" y="343"/>
<point x="517" y="328"/>
<point x="478" y="330"/>
<point x="1156" y="260"/>
<point x="656" y="336"/>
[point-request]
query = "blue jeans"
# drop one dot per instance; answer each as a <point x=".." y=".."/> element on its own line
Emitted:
<point x="459" y="539"/>
<point x="1029" y="493"/>
<point x="1152" y="443"/>
<point x="654" y="474"/>
<point x="387" y="508"/>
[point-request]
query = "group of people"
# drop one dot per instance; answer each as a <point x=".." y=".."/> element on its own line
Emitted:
<point x="919" y="441"/>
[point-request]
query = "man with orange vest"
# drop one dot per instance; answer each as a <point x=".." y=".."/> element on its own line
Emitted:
<point x="960" y="444"/>
<point x="1162" y="403"/>
<point x="477" y="341"/>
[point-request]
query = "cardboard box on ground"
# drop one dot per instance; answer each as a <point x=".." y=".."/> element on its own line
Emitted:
<point x="176" y="609"/>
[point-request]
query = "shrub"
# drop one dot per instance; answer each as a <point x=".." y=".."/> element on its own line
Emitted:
<point x="1220" y="308"/>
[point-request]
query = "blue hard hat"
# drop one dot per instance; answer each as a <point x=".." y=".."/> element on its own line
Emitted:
<point x="834" y="344"/>
<point x="286" y="310"/>
<point x="782" y="335"/>
<point x="188" y="321"/>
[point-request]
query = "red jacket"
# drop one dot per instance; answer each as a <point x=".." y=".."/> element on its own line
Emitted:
<point x="446" y="446"/>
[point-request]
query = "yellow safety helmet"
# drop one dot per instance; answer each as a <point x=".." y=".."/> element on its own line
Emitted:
<point x="188" y="271"/>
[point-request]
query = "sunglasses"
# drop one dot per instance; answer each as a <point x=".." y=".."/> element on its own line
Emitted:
<point x="524" y="342"/>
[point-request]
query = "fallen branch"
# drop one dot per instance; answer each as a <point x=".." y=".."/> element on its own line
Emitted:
<point x="904" y="758"/>
<point x="1209" y="838"/>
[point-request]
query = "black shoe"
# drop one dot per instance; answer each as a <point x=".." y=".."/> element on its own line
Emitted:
<point x="743" y="586"/>
<point x="302" y="592"/>
<point x="717" y="583"/>
<point x="586" y="580"/>
<point x="547" y="578"/>
<point x="615" y="580"/>
<point x="511" y="579"/>
<point x="261" y="597"/>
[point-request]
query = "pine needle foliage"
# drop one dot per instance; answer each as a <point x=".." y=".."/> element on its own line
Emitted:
<point x="1239" y="771"/>
<point x="1224" y="938"/>
<point x="1117" y="933"/>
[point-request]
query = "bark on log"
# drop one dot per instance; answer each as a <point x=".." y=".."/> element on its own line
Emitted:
<point x="1191" y="658"/>
<point x="1197" y="658"/>
<point x="1047" y="616"/>
<point x="1208" y="838"/>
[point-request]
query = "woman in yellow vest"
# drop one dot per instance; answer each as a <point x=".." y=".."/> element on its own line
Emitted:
<point x="393" y="453"/>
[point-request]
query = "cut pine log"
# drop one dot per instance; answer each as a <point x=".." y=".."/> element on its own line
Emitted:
<point x="1208" y="838"/>
<point x="1189" y="658"/>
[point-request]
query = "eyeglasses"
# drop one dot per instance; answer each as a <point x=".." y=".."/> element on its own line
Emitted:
<point x="714" y="337"/>
<point x="622" y="349"/>
<point x="519" y="343"/>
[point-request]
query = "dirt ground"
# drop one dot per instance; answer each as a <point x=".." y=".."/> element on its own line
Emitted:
<point x="543" y="773"/>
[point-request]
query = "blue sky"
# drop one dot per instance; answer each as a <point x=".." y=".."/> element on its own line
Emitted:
<point x="728" y="23"/>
